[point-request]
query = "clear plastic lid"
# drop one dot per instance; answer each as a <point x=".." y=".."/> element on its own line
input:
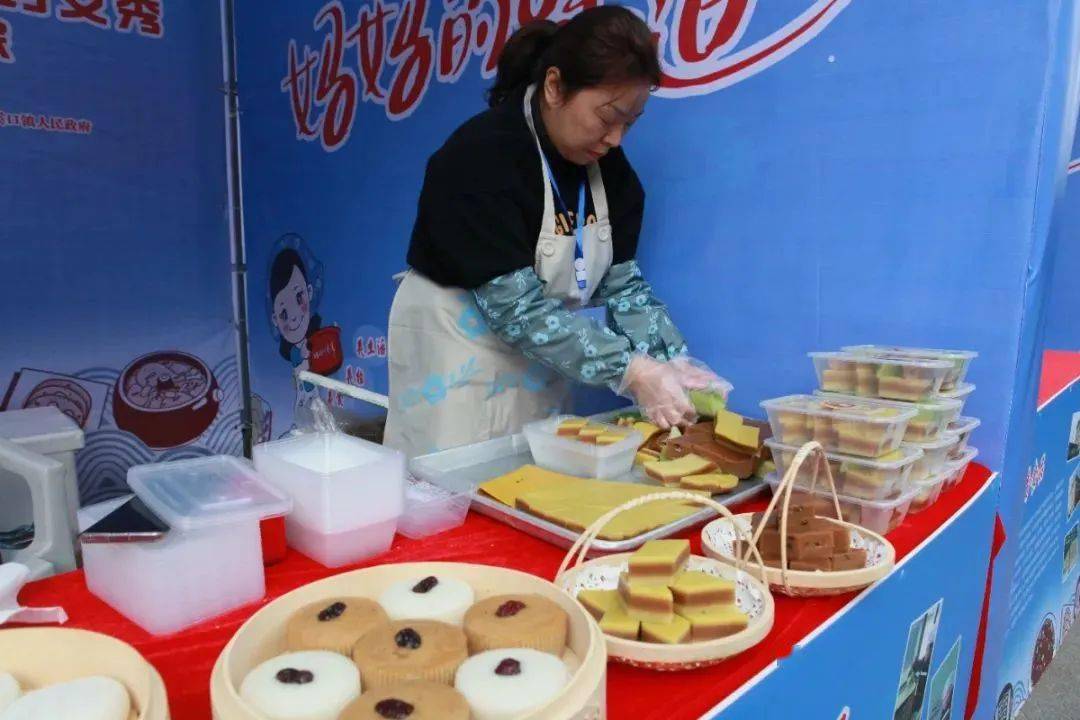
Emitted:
<point x="903" y="361"/>
<point x="963" y="425"/>
<point x="892" y="461"/>
<point x="960" y="392"/>
<point x="970" y="454"/>
<point x="939" y="404"/>
<point x="192" y="494"/>
<point x="842" y="407"/>
<point x="947" y="439"/>
<point x="911" y="352"/>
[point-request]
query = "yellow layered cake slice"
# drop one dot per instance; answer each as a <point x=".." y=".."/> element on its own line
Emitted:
<point x="658" y="562"/>
<point x="669" y="633"/>
<point x="669" y="472"/>
<point x="646" y="602"/>
<point x="600" y="602"/>
<point x="716" y="622"/>
<point x="571" y="426"/>
<point x="729" y="426"/>
<point x="693" y="590"/>
<point x="710" y="482"/>
<point x="618" y="623"/>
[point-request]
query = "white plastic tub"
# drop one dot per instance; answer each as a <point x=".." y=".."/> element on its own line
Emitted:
<point x="853" y="476"/>
<point x="430" y="509"/>
<point x="893" y="378"/>
<point x="574" y="457"/>
<point x="208" y="563"/>
<point x="347" y="493"/>
<point x="963" y="427"/>
<point x="935" y="456"/>
<point x="958" y="467"/>
<point x="960" y="359"/>
<point x="847" y="426"/>
<point x="881" y="516"/>
<point x="932" y="416"/>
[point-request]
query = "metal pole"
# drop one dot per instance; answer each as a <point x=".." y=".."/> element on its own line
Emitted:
<point x="236" y="214"/>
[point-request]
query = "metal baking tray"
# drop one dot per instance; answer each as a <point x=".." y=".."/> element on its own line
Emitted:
<point x="463" y="469"/>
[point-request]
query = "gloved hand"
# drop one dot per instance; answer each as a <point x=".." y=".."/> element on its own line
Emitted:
<point x="695" y="375"/>
<point x="656" y="389"/>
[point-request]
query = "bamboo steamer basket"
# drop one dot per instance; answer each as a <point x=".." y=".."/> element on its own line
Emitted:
<point x="719" y="536"/>
<point x="39" y="657"/>
<point x="263" y="635"/>
<point x="751" y="595"/>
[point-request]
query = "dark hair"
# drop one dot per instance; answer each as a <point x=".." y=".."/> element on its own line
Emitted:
<point x="280" y="272"/>
<point x="601" y="45"/>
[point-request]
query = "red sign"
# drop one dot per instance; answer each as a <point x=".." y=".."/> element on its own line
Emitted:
<point x="388" y="52"/>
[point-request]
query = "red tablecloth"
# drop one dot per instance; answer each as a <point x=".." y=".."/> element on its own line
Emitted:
<point x="186" y="659"/>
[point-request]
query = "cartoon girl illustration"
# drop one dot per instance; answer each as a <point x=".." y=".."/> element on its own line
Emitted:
<point x="293" y="300"/>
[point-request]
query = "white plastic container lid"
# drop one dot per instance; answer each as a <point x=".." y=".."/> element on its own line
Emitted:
<point x="908" y="455"/>
<point x="43" y="430"/>
<point x="939" y="404"/>
<point x="911" y="352"/>
<point x="960" y="392"/>
<point x="877" y="360"/>
<point x="947" y="439"/>
<point x="963" y="425"/>
<point x="854" y="409"/>
<point x="199" y="493"/>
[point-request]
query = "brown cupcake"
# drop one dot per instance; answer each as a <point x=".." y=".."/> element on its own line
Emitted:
<point x="410" y="650"/>
<point x="516" y="621"/>
<point x="415" y="700"/>
<point x="334" y="624"/>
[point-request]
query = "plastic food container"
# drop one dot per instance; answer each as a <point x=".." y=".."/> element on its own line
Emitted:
<point x="209" y="562"/>
<point x="880" y="516"/>
<point x="347" y="494"/>
<point x="892" y="378"/>
<point x="431" y="509"/>
<point x="961" y="392"/>
<point x="963" y="427"/>
<point x="932" y="416"/>
<point x="853" y="476"/>
<point x="929" y="490"/>
<point x="851" y="427"/>
<point x="574" y="457"/>
<point x="935" y="456"/>
<point x="960" y="359"/>
<point x="958" y="467"/>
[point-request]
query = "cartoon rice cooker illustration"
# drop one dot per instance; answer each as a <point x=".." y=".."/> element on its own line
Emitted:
<point x="166" y="398"/>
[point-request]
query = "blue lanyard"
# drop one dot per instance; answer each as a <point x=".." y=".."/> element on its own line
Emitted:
<point x="580" y="273"/>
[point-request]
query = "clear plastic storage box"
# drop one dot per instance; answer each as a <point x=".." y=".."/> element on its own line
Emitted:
<point x="958" y="467"/>
<point x="893" y="378"/>
<point x="575" y="457"/>
<point x="932" y="417"/>
<point x="208" y="563"/>
<point x="928" y="490"/>
<point x="963" y="427"/>
<point x="431" y="509"/>
<point x="880" y="516"/>
<point x="857" y="477"/>
<point x="348" y="494"/>
<point x="961" y="392"/>
<point x="935" y="456"/>
<point x="960" y="359"/>
<point x="850" y="427"/>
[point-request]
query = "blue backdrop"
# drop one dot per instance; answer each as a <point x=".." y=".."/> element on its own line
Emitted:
<point x="114" y="231"/>
<point x="871" y="180"/>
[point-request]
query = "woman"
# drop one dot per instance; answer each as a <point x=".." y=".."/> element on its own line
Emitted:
<point x="522" y="256"/>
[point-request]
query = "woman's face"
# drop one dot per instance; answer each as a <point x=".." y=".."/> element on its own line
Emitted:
<point x="292" y="308"/>
<point x="586" y="125"/>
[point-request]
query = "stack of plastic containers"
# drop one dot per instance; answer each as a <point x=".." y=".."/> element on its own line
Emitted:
<point x="890" y="421"/>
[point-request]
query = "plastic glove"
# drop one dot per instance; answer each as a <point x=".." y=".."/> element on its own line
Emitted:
<point x="696" y="375"/>
<point x="656" y="389"/>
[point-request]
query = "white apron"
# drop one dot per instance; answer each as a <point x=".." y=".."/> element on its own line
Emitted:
<point x="452" y="380"/>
